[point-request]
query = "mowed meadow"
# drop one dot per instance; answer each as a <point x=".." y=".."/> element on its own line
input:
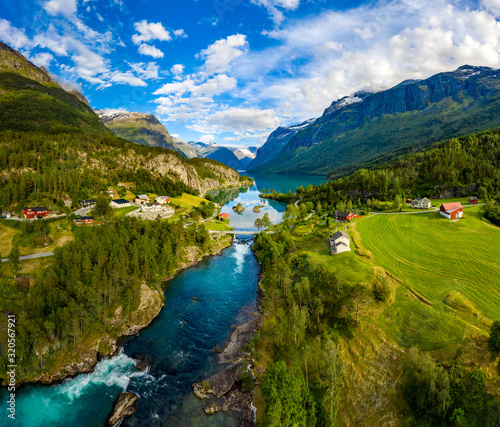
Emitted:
<point x="449" y="273"/>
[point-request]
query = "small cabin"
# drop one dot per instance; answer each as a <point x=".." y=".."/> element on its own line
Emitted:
<point x="418" y="203"/>
<point x="162" y="200"/>
<point x="339" y="242"/>
<point x="344" y="216"/>
<point x="84" y="220"/>
<point x="120" y="203"/>
<point x="142" y="199"/>
<point x="452" y="210"/>
<point x="87" y="203"/>
<point x="473" y="200"/>
<point x="223" y="216"/>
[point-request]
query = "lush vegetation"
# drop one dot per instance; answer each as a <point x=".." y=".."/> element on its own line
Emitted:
<point x="103" y="268"/>
<point x="492" y="213"/>
<point x="446" y="394"/>
<point x="309" y="306"/>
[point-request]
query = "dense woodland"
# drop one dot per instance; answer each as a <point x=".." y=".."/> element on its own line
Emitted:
<point x="469" y="165"/>
<point x="308" y="308"/>
<point x="47" y="169"/>
<point x="101" y="269"/>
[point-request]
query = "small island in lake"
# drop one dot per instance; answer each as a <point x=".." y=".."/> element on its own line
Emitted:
<point x="238" y="208"/>
<point x="258" y="208"/>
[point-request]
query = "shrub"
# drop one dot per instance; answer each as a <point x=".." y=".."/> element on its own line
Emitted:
<point x="495" y="336"/>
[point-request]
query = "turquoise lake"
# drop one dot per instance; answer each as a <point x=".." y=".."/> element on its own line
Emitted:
<point x="178" y="342"/>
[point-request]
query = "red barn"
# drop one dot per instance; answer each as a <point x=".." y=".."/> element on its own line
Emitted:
<point x="35" y="212"/>
<point x="224" y="216"/>
<point x="473" y="200"/>
<point x="344" y="216"/>
<point x="452" y="210"/>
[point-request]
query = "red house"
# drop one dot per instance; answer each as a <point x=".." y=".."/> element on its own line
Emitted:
<point x="344" y="216"/>
<point x="35" y="212"/>
<point x="473" y="200"/>
<point x="224" y="216"/>
<point x="84" y="220"/>
<point x="452" y="210"/>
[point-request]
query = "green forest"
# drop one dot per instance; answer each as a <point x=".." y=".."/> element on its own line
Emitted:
<point x="91" y="276"/>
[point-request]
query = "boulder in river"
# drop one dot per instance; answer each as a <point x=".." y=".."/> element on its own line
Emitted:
<point x="218" y="384"/>
<point x="125" y="406"/>
<point x="212" y="409"/>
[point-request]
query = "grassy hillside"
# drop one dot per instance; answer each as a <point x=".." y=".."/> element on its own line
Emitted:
<point x="451" y="265"/>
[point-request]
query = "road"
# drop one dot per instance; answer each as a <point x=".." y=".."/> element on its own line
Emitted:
<point x="82" y="211"/>
<point x="33" y="256"/>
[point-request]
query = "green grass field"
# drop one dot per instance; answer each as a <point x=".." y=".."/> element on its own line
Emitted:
<point x="122" y="212"/>
<point x="454" y="266"/>
<point x="217" y="226"/>
<point x="187" y="201"/>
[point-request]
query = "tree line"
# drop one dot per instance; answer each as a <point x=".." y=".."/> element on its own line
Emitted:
<point x="103" y="268"/>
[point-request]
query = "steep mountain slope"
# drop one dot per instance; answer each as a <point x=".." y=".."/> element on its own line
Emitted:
<point x="31" y="100"/>
<point x="411" y="115"/>
<point x="236" y="158"/>
<point x="185" y="148"/>
<point x="53" y="147"/>
<point x="276" y="142"/>
<point x="144" y="129"/>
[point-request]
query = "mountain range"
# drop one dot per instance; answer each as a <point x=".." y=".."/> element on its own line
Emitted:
<point x="49" y="133"/>
<point x="146" y="129"/>
<point x="368" y="128"/>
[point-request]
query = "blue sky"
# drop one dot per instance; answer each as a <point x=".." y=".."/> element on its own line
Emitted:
<point x="231" y="71"/>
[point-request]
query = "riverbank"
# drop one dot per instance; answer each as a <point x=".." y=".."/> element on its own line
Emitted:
<point x="84" y="357"/>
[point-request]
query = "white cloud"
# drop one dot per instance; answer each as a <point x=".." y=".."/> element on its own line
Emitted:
<point x="60" y="7"/>
<point x="42" y="59"/>
<point x="207" y="138"/>
<point x="493" y="6"/>
<point x="239" y="119"/>
<point x="214" y="86"/>
<point x="180" y="33"/>
<point x="14" y="37"/>
<point x="220" y="54"/>
<point x="127" y="78"/>
<point x="145" y="49"/>
<point x="273" y="5"/>
<point x="150" y="31"/>
<point x="149" y="71"/>
<point x="177" y="69"/>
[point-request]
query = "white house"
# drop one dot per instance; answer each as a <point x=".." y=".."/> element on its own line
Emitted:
<point x="141" y="199"/>
<point x="120" y="203"/>
<point x="162" y="200"/>
<point x="424" y="203"/>
<point x="339" y="242"/>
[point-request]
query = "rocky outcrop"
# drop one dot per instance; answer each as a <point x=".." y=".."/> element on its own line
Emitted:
<point x="241" y="335"/>
<point x="150" y="305"/>
<point x="125" y="406"/>
<point x="219" y="384"/>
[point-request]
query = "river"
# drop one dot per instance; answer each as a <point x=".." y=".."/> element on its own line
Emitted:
<point x="178" y="342"/>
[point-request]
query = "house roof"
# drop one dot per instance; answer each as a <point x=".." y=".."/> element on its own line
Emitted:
<point x="40" y="209"/>
<point x="342" y="213"/>
<point x="84" y="218"/>
<point x="142" y="196"/>
<point x="472" y="198"/>
<point x="120" y="201"/>
<point x="340" y="234"/>
<point x="88" y="201"/>
<point x="451" y="207"/>
<point x="152" y="204"/>
<point x="224" y="215"/>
